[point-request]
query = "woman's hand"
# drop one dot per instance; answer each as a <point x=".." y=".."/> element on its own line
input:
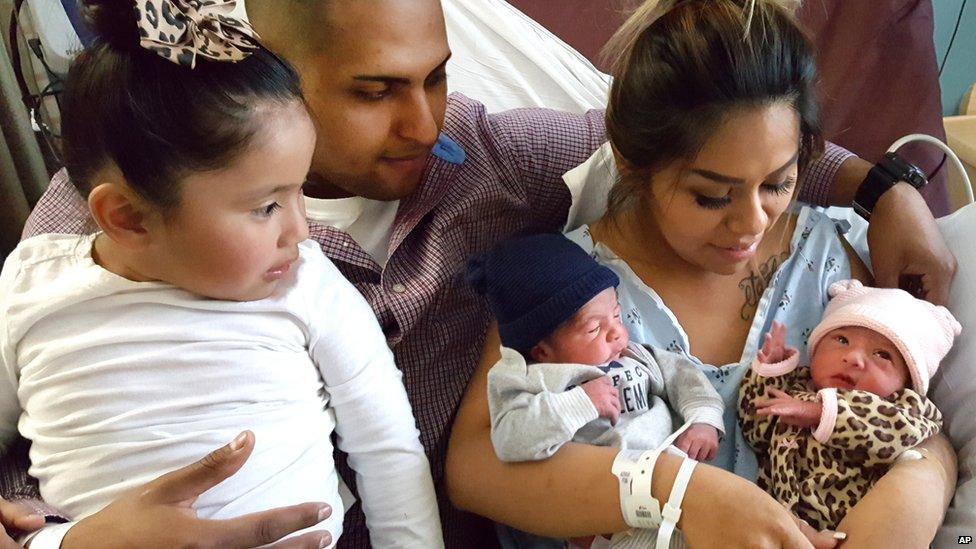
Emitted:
<point x="822" y="539"/>
<point x="159" y="514"/>
<point x="724" y="510"/>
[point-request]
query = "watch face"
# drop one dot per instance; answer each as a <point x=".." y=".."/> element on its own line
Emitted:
<point x="903" y="170"/>
<point x="915" y="177"/>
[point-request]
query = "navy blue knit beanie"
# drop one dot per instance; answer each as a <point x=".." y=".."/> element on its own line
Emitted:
<point x="535" y="283"/>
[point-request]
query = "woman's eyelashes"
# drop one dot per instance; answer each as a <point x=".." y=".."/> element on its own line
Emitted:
<point x="785" y="187"/>
<point x="711" y="203"/>
<point x="716" y="203"/>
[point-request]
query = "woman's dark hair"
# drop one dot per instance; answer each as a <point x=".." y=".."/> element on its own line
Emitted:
<point x="682" y="66"/>
<point x="156" y="120"/>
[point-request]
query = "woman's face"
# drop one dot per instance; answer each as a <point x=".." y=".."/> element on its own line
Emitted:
<point x="714" y="210"/>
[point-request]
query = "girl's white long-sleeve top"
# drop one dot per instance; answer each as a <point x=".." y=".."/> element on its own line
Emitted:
<point x="116" y="382"/>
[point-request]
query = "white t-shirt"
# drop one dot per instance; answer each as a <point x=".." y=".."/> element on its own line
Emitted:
<point x="368" y="222"/>
<point x="116" y="382"/>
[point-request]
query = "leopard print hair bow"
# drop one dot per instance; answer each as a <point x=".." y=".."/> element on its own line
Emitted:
<point x="181" y="30"/>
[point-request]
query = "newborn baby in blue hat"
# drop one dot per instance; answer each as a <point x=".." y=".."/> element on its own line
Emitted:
<point x="568" y="371"/>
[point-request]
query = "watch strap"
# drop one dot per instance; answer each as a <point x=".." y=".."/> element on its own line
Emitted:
<point x="883" y="176"/>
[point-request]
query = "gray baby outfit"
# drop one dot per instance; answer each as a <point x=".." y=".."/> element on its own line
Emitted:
<point x="536" y="408"/>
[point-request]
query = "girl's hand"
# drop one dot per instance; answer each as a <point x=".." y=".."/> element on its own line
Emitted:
<point x="774" y="347"/>
<point x="700" y="442"/>
<point x="790" y="410"/>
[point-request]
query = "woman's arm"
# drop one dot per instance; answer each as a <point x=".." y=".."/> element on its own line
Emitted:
<point x="905" y="507"/>
<point x="574" y="494"/>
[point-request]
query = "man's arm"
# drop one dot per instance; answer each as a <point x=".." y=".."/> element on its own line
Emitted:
<point x="903" y="238"/>
<point x="60" y="210"/>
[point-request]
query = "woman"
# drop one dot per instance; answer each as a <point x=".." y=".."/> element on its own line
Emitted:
<point x="711" y="118"/>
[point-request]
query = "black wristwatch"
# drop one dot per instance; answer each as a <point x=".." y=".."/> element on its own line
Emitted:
<point x="889" y="170"/>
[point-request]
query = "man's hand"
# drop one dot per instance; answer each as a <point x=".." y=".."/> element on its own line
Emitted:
<point x="604" y="396"/>
<point x="907" y="249"/>
<point x="159" y="514"/>
<point x="16" y="519"/>
<point x="700" y="442"/>
<point x="790" y="410"/>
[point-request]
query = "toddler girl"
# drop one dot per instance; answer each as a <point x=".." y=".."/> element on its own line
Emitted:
<point x="826" y="433"/>
<point x="199" y="309"/>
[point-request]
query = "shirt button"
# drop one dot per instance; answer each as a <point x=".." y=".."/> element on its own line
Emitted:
<point x="399" y="288"/>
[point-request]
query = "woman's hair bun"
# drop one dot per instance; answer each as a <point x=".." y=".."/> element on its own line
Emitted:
<point x="113" y="21"/>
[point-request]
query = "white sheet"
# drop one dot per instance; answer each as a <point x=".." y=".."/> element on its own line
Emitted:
<point x="506" y="60"/>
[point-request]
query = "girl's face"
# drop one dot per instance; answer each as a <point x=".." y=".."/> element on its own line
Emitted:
<point x="858" y="358"/>
<point x="235" y="232"/>
<point x="714" y="211"/>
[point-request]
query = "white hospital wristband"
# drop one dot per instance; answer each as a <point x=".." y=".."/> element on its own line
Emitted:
<point x="672" y="509"/>
<point x="634" y="471"/>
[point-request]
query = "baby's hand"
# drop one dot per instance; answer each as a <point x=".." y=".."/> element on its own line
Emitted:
<point x="774" y="347"/>
<point x="790" y="410"/>
<point x="604" y="396"/>
<point x="700" y="442"/>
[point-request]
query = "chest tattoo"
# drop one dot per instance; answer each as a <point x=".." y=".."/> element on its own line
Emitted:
<point x="754" y="284"/>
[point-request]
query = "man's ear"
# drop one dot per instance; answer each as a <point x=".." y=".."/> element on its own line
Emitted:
<point x="120" y="214"/>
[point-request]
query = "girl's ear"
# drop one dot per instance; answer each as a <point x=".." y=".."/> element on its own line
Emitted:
<point x="120" y="214"/>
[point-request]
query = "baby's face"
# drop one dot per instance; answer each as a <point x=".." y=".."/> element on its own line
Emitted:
<point x="853" y="357"/>
<point x="593" y="336"/>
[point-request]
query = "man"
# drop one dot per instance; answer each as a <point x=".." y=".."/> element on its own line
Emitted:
<point x="409" y="183"/>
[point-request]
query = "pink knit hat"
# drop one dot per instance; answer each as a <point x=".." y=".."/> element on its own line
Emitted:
<point x="922" y="332"/>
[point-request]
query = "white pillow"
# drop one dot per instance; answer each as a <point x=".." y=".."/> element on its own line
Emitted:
<point x="506" y="60"/>
<point x="954" y="387"/>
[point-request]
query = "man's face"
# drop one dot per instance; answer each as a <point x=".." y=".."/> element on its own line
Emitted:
<point x="377" y="91"/>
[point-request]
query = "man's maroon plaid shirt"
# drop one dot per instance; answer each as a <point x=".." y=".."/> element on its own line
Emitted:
<point x="509" y="182"/>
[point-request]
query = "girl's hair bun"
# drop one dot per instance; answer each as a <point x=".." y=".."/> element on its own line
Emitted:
<point x="113" y="21"/>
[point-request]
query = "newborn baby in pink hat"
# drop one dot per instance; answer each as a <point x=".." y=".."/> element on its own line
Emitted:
<point x="824" y="434"/>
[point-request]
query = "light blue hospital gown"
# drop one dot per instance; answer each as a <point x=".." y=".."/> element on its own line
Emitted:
<point x="796" y="297"/>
